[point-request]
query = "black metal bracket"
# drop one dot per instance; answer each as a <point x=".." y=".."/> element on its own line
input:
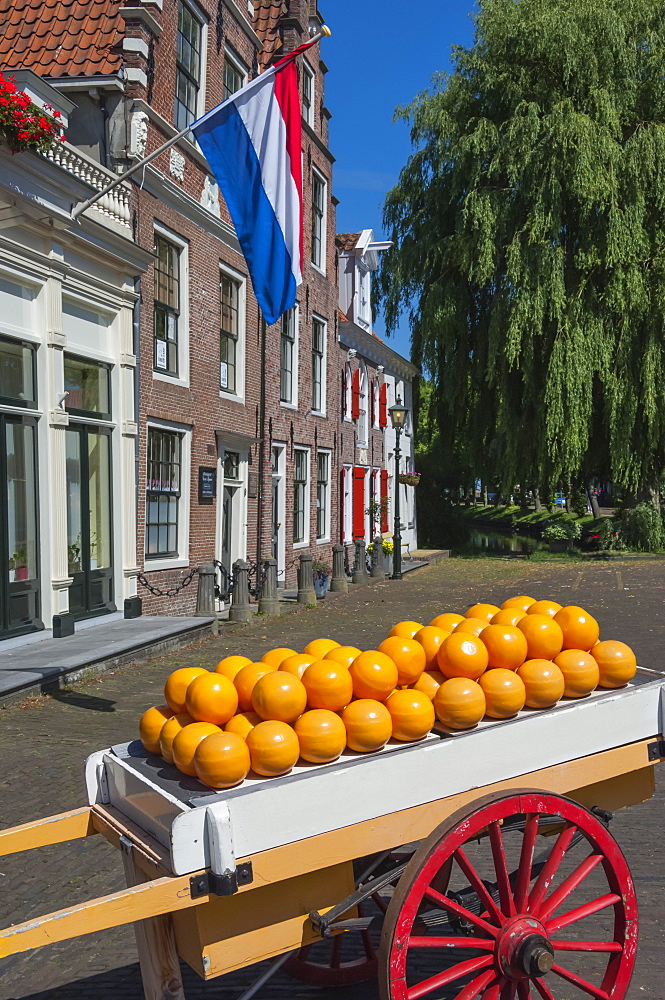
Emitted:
<point x="325" y="923"/>
<point x="210" y="884"/>
<point x="656" y="750"/>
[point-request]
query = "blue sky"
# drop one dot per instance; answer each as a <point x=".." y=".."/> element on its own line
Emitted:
<point x="380" y="55"/>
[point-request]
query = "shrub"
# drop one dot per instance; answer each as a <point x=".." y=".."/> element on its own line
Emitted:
<point x="642" y="528"/>
<point x="561" y="529"/>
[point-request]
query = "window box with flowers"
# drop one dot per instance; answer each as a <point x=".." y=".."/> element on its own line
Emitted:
<point x="24" y="125"/>
<point x="409" y="478"/>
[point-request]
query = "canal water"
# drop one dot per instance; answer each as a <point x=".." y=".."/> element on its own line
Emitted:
<point x="497" y="543"/>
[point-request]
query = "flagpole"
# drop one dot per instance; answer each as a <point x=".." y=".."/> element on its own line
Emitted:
<point x="82" y="206"/>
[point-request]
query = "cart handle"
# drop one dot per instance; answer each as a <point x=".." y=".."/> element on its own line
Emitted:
<point x="56" y="829"/>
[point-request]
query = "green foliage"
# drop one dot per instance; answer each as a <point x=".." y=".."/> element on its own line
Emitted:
<point x="642" y="528"/>
<point x="562" y="529"/>
<point x="529" y="244"/>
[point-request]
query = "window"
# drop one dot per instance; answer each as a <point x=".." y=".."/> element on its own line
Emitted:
<point x="308" y="94"/>
<point x="162" y="493"/>
<point x="167" y="306"/>
<point x="300" y="489"/>
<point x="347" y="394"/>
<point x="322" y="495"/>
<point x="347" y="508"/>
<point x="188" y="66"/>
<point x="87" y="388"/>
<point x="235" y="74"/>
<point x="364" y="317"/>
<point x="230" y="290"/>
<point x="17" y="373"/>
<point x="287" y="358"/>
<point x="231" y="465"/>
<point x="318" y="366"/>
<point x="318" y="220"/>
<point x="362" y="408"/>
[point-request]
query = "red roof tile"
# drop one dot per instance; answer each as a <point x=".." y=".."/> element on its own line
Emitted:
<point x="60" y="37"/>
<point x="267" y="14"/>
<point x="347" y="241"/>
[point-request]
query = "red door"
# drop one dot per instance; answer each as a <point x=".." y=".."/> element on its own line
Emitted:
<point x="358" y="502"/>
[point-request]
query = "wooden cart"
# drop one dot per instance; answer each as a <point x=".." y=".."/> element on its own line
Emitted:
<point x="431" y="846"/>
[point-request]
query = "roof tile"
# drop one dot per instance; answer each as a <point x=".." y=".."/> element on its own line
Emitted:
<point x="347" y="241"/>
<point x="56" y="38"/>
<point x="267" y="14"/>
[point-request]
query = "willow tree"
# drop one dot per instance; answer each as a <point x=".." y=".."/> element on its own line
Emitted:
<point x="529" y="241"/>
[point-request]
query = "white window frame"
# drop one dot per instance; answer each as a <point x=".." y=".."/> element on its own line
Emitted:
<point x="183" y="318"/>
<point x="231" y="56"/>
<point x="375" y="404"/>
<point x="325" y="537"/>
<point x="321" y="268"/>
<point x="304" y="543"/>
<point x="291" y="404"/>
<point x="348" y="393"/>
<point x="363" y="418"/>
<point x="180" y="561"/>
<point x="347" y="505"/>
<point x="308" y="73"/>
<point x="239" y="395"/>
<point x="363" y="312"/>
<point x="202" y="18"/>
<point x="321" y="412"/>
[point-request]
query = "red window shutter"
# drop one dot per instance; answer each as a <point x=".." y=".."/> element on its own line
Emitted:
<point x="383" y="405"/>
<point x="384" y="496"/>
<point x="358" y="502"/>
<point x="355" y="395"/>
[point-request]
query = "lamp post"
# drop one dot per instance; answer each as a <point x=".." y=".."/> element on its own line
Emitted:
<point x="398" y="414"/>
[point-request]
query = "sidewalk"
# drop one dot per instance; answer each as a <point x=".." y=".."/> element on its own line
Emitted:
<point x="39" y="664"/>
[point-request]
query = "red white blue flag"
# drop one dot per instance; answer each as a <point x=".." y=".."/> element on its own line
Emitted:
<point x="253" y="144"/>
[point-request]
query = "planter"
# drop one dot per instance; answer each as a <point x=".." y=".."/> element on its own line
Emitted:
<point x="388" y="563"/>
<point x="559" y="544"/>
<point x="321" y="586"/>
<point x="408" y="479"/>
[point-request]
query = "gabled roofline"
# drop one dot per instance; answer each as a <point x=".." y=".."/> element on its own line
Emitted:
<point x="352" y="335"/>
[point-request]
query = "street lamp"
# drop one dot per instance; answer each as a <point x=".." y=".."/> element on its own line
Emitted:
<point x="398" y="414"/>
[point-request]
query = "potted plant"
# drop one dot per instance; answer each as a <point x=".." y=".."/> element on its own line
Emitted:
<point x="387" y="550"/>
<point x="24" y="125"/>
<point x="19" y="564"/>
<point x="409" y="478"/>
<point x="322" y="573"/>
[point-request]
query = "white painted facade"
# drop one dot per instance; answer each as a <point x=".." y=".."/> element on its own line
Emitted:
<point x="402" y="388"/>
<point x="67" y="392"/>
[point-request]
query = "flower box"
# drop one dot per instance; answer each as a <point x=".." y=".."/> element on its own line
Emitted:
<point x="409" y="478"/>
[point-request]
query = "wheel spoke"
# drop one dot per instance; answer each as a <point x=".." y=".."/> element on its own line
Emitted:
<point x="494" y="992"/>
<point x="523" y="991"/>
<point x="568" y="886"/>
<point x="450" y="975"/>
<point x="479" y="886"/>
<point x="460" y="911"/>
<point x="551" y="867"/>
<point x="501" y="869"/>
<point x="526" y="858"/>
<point x="509" y="991"/>
<point x="368" y="945"/>
<point x="586" y="946"/>
<point x="479" y="944"/>
<point x="582" y="984"/>
<point x="336" y="951"/>
<point x="477" y="986"/>
<point x="380" y="902"/>
<point x="580" y="912"/>
<point x="543" y="989"/>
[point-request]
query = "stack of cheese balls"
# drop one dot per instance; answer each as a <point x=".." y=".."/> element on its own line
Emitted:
<point x="261" y="717"/>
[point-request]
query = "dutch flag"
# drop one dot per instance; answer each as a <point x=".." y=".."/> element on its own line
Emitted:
<point x="253" y="144"/>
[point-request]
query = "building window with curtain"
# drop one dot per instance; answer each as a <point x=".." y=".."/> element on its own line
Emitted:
<point x="318" y="220"/>
<point x="166" y="306"/>
<point x="188" y="66"/>
<point x="287" y="358"/>
<point x="162" y="493"/>
<point x="322" y="495"/>
<point x="318" y="365"/>
<point x="300" y="490"/>
<point x="229" y="333"/>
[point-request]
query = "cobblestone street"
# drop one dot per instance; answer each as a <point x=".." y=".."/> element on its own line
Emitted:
<point x="44" y="743"/>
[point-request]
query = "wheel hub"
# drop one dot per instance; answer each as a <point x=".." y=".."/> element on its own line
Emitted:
<point x="523" y="950"/>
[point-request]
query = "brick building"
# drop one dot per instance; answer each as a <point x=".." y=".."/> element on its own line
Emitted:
<point x="374" y="376"/>
<point x="237" y="434"/>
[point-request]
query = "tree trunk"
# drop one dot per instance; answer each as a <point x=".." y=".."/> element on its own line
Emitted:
<point x="536" y="499"/>
<point x="593" y="500"/>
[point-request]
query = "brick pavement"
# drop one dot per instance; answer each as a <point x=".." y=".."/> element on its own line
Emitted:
<point x="43" y="746"/>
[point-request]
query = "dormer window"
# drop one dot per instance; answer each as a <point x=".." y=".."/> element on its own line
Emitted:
<point x="364" y="313"/>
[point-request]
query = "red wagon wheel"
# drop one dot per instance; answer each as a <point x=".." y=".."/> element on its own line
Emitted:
<point x="349" y="957"/>
<point x="510" y="926"/>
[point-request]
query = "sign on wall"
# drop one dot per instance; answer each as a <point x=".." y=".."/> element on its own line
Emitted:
<point x="207" y="484"/>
